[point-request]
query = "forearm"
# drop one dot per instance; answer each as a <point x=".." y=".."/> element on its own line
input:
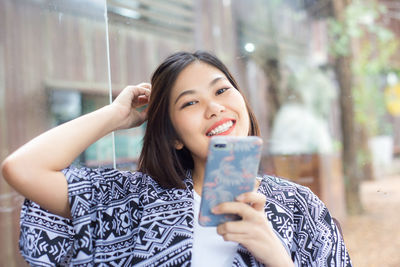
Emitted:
<point x="58" y="147"/>
<point x="34" y="170"/>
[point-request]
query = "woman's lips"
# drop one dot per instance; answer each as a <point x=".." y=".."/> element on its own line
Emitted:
<point x="222" y="127"/>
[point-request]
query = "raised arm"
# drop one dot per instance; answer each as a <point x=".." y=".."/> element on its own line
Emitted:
<point x="34" y="170"/>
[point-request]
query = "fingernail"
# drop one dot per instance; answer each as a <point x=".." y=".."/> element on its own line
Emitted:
<point x="215" y="210"/>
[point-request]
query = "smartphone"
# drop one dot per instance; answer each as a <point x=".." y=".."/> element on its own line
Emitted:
<point x="231" y="169"/>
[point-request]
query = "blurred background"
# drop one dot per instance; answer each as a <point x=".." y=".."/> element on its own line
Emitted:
<point x="323" y="77"/>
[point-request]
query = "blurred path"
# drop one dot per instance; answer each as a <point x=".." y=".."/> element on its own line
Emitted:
<point x="373" y="239"/>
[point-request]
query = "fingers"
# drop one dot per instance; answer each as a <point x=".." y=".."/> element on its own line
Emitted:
<point x="245" y="206"/>
<point x="256" y="200"/>
<point x="259" y="239"/>
<point x="142" y="94"/>
<point x="245" y="231"/>
<point x="233" y="227"/>
<point x="239" y="238"/>
<point x="145" y="85"/>
<point x="143" y="89"/>
<point x="254" y="231"/>
<point x="134" y="95"/>
<point x="245" y="211"/>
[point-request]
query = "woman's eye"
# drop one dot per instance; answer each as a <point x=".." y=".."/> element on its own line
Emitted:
<point x="190" y="103"/>
<point x="222" y="90"/>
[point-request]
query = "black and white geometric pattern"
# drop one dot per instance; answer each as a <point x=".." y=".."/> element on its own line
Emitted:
<point x="304" y="224"/>
<point x="123" y="219"/>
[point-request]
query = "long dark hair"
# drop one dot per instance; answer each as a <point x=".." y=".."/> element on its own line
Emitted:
<point x="159" y="157"/>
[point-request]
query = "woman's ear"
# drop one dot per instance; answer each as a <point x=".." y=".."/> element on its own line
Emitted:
<point x="178" y="145"/>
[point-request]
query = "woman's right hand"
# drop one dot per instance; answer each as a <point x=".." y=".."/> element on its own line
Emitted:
<point x="127" y="103"/>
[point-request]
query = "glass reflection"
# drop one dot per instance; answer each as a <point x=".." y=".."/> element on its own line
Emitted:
<point x="53" y="68"/>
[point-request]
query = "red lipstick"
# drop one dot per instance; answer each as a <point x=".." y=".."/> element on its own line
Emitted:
<point x="221" y="122"/>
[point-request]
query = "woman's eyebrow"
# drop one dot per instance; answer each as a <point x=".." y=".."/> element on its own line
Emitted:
<point x="214" y="81"/>
<point x="187" y="92"/>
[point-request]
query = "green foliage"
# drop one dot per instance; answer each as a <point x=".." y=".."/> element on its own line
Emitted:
<point x="340" y="38"/>
<point x="373" y="45"/>
<point x="360" y="19"/>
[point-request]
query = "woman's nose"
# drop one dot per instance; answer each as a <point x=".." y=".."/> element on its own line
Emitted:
<point x="213" y="109"/>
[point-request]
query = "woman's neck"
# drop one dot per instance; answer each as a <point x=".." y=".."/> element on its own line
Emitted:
<point x="198" y="176"/>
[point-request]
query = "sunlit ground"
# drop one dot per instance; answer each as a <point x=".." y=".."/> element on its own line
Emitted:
<point x="373" y="239"/>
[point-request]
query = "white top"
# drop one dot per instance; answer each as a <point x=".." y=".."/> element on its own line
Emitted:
<point x="209" y="248"/>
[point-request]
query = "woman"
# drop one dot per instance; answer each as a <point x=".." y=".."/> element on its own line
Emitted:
<point x="82" y="216"/>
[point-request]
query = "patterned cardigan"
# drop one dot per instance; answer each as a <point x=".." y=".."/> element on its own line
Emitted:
<point x="121" y="218"/>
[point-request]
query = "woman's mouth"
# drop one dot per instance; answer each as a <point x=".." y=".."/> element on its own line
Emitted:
<point x="223" y="128"/>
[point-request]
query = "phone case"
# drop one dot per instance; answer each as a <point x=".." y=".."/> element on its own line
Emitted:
<point x="232" y="166"/>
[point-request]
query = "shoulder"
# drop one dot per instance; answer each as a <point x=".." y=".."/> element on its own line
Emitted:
<point x="303" y="223"/>
<point x="75" y="174"/>
<point x="284" y="190"/>
<point x="278" y="183"/>
<point x="106" y="185"/>
<point x="111" y="184"/>
<point x="292" y="199"/>
<point x="100" y="173"/>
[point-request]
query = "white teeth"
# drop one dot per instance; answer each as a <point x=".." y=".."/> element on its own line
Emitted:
<point x="220" y="129"/>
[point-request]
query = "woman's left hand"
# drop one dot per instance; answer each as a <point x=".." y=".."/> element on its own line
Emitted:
<point x="253" y="230"/>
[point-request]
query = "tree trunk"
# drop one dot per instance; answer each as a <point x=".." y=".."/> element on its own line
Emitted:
<point x="349" y="151"/>
<point x="366" y="170"/>
<point x="274" y="99"/>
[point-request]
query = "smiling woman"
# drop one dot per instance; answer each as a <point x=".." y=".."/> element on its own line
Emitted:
<point x="148" y="217"/>
<point x="215" y="105"/>
<point x="192" y="88"/>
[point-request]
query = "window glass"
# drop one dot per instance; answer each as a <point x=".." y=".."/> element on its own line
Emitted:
<point x="53" y="68"/>
<point x="141" y="34"/>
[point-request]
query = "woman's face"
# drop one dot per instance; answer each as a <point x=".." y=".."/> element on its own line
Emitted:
<point x="203" y="103"/>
